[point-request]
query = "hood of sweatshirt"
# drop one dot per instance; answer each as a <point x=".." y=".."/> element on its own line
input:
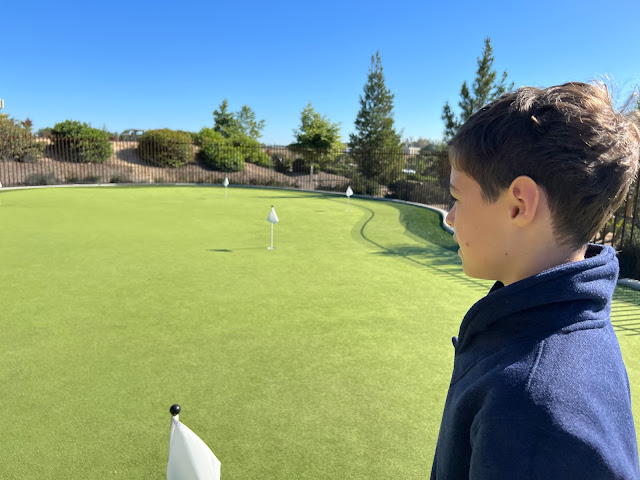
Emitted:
<point x="563" y="297"/>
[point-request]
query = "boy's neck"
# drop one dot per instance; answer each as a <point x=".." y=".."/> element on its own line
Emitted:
<point x="543" y="258"/>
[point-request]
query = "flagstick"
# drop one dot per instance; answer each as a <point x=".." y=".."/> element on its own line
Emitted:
<point x="271" y="247"/>
<point x="226" y="184"/>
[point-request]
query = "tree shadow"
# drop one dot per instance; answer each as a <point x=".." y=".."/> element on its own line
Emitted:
<point x="129" y="153"/>
<point x="440" y="260"/>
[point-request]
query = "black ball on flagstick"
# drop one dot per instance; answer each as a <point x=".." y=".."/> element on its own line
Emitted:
<point x="175" y="409"/>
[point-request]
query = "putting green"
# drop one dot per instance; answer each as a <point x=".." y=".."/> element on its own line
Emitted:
<point x="328" y="357"/>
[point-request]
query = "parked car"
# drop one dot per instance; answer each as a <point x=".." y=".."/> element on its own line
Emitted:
<point x="131" y="135"/>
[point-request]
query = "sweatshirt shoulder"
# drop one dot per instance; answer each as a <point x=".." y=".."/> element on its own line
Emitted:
<point x="576" y="367"/>
<point x="575" y="358"/>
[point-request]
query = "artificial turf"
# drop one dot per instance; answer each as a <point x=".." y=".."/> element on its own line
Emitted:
<point x="328" y="357"/>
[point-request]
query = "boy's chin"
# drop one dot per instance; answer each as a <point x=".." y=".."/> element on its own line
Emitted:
<point x="480" y="275"/>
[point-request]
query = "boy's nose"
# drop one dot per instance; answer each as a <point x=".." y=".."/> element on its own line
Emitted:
<point x="450" y="216"/>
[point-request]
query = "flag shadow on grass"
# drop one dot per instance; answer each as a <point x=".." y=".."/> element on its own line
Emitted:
<point x="625" y="311"/>
<point x="228" y="250"/>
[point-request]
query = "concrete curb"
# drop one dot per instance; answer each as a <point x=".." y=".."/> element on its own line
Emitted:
<point x="625" y="282"/>
<point x="629" y="283"/>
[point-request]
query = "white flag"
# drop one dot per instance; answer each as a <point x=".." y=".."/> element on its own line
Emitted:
<point x="349" y="191"/>
<point x="226" y="182"/>
<point x="189" y="456"/>
<point x="273" y="218"/>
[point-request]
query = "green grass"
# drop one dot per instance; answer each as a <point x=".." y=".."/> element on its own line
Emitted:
<point x="328" y="357"/>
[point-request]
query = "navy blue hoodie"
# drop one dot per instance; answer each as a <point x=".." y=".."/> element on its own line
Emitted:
<point x="539" y="389"/>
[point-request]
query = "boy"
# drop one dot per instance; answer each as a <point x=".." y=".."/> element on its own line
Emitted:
<point x="539" y="389"/>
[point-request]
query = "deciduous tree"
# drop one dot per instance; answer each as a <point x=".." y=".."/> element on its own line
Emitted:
<point x="243" y="122"/>
<point x="317" y="139"/>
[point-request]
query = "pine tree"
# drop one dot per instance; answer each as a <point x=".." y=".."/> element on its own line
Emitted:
<point x="224" y="121"/>
<point x="376" y="145"/>
<point x="486" y="88"/>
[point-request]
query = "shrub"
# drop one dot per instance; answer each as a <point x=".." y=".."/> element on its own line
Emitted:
<point x="358" y="183"/>
<point x="120" y="178"/>
<point x="427" y="192"/>
<point x="91" y="179"/>
<point x="221" y="157"/>
<point x="16" y="141"/>
<point x="41" y="179"/>
<point x="251" y="149"/>
<point x="342" y="164"/>
<point x="44" y="133"/>
<point x="79" y="142"/>
<point x="272" y="182"/>
<point x="166" y="148"/>
<point x="299" y="166"/>
<point x="281" y="163"/>
<point x="629" y="258"/>
<point x="218" y="152"/>
<point x="256" y="156"/>
<point x="87" y="179"/>
<point x="365" y="186"/>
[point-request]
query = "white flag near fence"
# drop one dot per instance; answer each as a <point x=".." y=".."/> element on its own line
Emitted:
<point x="189" y="456"/>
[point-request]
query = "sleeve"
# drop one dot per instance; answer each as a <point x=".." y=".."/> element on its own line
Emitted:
<point x="504" y="447"/>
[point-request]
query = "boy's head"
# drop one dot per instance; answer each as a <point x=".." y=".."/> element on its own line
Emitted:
<point x="568" y="139"/>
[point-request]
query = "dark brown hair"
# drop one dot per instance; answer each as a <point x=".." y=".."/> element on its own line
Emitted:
<point x="568" y="139"/>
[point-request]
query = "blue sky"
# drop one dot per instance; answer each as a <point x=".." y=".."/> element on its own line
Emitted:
<point x="170" y="64"/>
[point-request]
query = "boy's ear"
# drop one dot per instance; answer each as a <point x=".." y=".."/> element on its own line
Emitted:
<point x="524" y="200"/>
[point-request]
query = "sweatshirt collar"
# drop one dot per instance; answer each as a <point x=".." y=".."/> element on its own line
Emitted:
<point x="585" y="286"/>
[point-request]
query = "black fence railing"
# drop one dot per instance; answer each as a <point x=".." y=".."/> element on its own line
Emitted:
<point x="416" y="177"/>
<point x="622" y="232"/>
<point x="421" y="178"/>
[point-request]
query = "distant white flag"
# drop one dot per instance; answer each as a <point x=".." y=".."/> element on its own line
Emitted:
<point x="226" y="182"/>
<point x="273" y="218"/>
<point x="349" y="191"/>
<point x="189" y="456"/>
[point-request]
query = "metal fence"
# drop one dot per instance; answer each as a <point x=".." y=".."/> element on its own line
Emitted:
<point x="622" y="232"/>
<point x="421" y="178"/>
